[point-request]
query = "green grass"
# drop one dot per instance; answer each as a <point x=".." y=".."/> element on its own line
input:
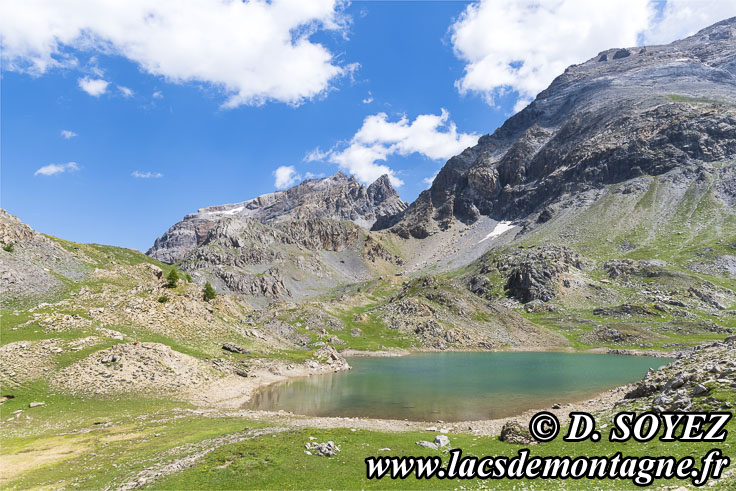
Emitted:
<point x="94" y="443"/>
<point x="701" y="100"/>
<point x="375" y="334"/>
<point x="661" y="333"/>
<point x="280" y="462"/>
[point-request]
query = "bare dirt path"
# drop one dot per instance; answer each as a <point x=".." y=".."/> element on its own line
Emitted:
<point x="195" y="452"/>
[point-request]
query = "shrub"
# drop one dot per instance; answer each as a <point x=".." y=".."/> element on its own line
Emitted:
<point x="8" y="247"/>
<point x="188" y="277"/>
<point x="172" y="278"/>
<point x="163" y="299"/>
<point x="209" y="292"/>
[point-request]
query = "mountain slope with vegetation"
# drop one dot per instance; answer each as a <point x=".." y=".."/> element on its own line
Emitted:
<point x="600" y="218"/>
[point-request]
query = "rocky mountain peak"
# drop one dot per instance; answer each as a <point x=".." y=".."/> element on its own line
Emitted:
<point x="625" y="113"/>
<point x="338" y="197"/>
<point x="338" y="176"/>
<point x="381" y="190"/>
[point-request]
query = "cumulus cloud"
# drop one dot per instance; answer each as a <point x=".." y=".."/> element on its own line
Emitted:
<point x="430" y="135"/>
<point x="255" y="51"/>
<point x="509" y="45"/>
<point x="522" y="46"/>
<point x="146" y="175"/>
<point x="53" y="169"/>
<point x="428" y="181"/>
<point x="682" y="18"/>
<point x="68" y="134"/>
<point x="125" y="91"/>
<point x="285" y="176"/>
<point x="157" y="94"/>
<point x="93" y="86"/>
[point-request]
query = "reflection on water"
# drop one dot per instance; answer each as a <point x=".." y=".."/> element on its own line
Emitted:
<point x="453" y="386"/>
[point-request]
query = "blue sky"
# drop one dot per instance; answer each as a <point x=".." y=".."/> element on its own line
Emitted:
<point x="384" y="86"/>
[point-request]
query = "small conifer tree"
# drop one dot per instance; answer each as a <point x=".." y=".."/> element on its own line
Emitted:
<point x="172" y="278"/>
<point x="209" y="292"/>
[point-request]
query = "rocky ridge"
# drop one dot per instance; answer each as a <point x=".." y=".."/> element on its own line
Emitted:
<point x="625" y="113"/>
<point x="287" y="259"/>
<point x="336" y="197"/>
<point x="31" y="264"/>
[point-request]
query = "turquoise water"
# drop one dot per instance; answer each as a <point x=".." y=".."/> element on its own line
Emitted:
<point x="454" y="386"/>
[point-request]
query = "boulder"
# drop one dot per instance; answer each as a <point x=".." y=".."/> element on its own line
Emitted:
<point x="515" y="432"/>
<point x="234" y="348"/>
<point x="327" y="449"/>
<point x="700" y="390"/>
<point x="441" y="441"/>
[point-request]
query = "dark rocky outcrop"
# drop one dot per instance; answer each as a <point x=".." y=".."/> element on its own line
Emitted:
<point x="531" y="274"/>
<point x="628" y="267"/>
<point x="515" y="432"/>
<point x="625" y="310"/>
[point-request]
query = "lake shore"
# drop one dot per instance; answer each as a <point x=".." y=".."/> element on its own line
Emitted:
<point x="490" y="427"/>
<point x="230" y="395"/>
<point x="533" y="349"/>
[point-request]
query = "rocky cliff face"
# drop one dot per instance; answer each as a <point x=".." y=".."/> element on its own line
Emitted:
<point x="285" y="259"/>
<point x="625" y="113"/>
<point x="337" y="197"/>
<point x="32" y="265"/>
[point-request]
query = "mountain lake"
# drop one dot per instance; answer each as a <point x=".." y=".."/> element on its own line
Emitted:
<point x="457" y="386"/>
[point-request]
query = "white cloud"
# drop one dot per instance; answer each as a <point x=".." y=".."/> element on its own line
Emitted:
<point x="430" y="135"/>
<point x="94" y="87"/>
<point x="316" y="155"/>
<point x="254" y="51"/>
<point x="52" y="169"/>
<point x="68" y="134"/>
<point x="285" y="176"/>
<point x="157" y="94"/>
<point x="368" y="99"/>
<point x="521" y="103"/>
<point x="523" y="46"/>
<point x="311" y="175"/>
<point x="429" y="180"/>
<point x="125" y="91"/>
<point x="146" y="175"/>
<point x="682" y="18"/>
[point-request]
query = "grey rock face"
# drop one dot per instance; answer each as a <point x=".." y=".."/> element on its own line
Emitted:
<point x="337" y="197"/>
<point x="248" y="257"/>
<point x="622" y="114"/>
<point x="35" y="263"/>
